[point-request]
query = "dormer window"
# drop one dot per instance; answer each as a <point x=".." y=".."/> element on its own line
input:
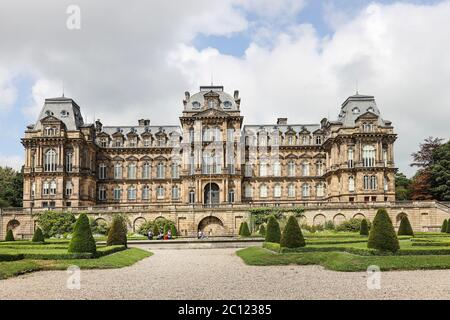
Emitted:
<point x="195" y="105"/>
<point x="49" y="131"/>
<point x="48" y="113"/>
<point x="370" y="109"/>
<point x="356" y="110"/>
<point x="132" y="142"/>
<point x="212" y="103"/>
<point x="64" y="114"/>
<point x="118" y="143"/>
<point x="368" y="127"/>
<point x="227" y="105"/>
<point x="103" y="143"/>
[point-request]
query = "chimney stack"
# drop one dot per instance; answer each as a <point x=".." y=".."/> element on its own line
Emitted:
<point x="282" y="121"/>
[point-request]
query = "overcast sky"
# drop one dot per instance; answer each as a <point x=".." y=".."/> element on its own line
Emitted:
<point x="298" y="59"/>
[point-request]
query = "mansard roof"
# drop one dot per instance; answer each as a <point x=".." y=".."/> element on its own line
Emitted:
<point x="63" y="109"/>
<point x="282" y="128"/>
<point x="357" y="105"/>
<point x="196" y="102"/>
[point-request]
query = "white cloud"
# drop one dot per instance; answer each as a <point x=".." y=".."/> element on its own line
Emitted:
<point x="14" y="162"/>
<point x="137" y="60"/>
<point x="8" y="93"/>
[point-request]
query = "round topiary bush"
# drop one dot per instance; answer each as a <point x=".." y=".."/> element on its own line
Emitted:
<point x="444" y="226"/>
<point x="117" y="234"/>
<point x="382" y="233"/>
<point x="82" y="240"/>
<point x="292" y="236"/>
<point x="262" y="230"/>
<point x="364" y="229"/>
<point x="245" y="231"/>
<point x="38" y="236"/>
<point x="273" y="233"/>
<point x="9" y="236"/>
<point x="405" y="228"/>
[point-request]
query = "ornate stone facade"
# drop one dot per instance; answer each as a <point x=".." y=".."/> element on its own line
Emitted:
<point x="211" y="166"/>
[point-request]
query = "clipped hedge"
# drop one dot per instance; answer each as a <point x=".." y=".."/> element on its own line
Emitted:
<point x="364" y="229"/>
<point x="382" y="234"/>
<point x="273" y="233"/>
<point x="272" y="246"/>
<point x="245" y="231"/>
<point x="292" y="236"/>
<point x="444" y="226"/>
<point x="405" y="228"/>
<point x="262" y="230"/>
<point x="11" y="256"/>
<point x="9" y="236"/>
<point x="117" y="234"/>
<point x="82" y="240"/>
<point x="38" y="236"/>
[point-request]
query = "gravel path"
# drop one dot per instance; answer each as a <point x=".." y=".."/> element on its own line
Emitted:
<point x="220" y="274"/>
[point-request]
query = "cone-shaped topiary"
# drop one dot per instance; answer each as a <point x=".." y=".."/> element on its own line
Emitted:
<point x="82" y="239"/>
<point x="166" y="227"/>
<point x="9" y="236"/>
<point x="292" y="236"/>
<point x="382" y="234"/>
<point x="38" y="236"/>
<point x="405" y="228"/>
<point x="444" y="226"/>
<point x="155" y="229"/>
<point x="245" y="232"/>
<point x="173" y="229"/>
<point x="448" y="226"/>
<point x="262" y="230"/>
<point x="273" y="233"/>
<point x="117" y="234"/>
<point x="364" y="228"/>
<point x="240" y="229"/>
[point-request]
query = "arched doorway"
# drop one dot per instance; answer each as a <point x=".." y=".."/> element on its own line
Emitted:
<point x="212" y="227"/>
<point x="211" y="194"/>
<point x="12" y="224"/>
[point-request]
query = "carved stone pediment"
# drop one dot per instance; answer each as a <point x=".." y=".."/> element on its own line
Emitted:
<point x="211" y="113"/>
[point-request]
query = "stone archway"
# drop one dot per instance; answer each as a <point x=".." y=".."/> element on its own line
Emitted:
<point x="359" y="216"/>
<point x="319" y="219"/>
<point x="137" y="223"/>
<point x="12" y="225"/>
<point x="338" y="219"/>
<point x="399" y="218"/>
<point x="212" y="226"/>
<point x="211" y="194"/>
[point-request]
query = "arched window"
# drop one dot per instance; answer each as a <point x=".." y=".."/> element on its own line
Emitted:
<point x="305" y="140"/>
<point x="290" y="140"/>
<point x="132" y="170"/>
<point x="263" y="191"/>
<point x="50" y="161"/>
<point x="368" y="156"/>
<point x="350" y="158"/>
<point x="175" y="170"/>
<point x="160" y="174"/>
<point x="231" y="196"/>
<point x="373" y="182"/>
<point x="46" y="188"/>
<point x="319" y="168"/>
<point x="191" y="196"/>
<point x="276" y="169"/>
<point x="291" y="168"/>
<point x="318" y="139"/>
<point x="248" y="191"/>
<point x="277" y="191"/>
<point x="69" y="161"/>
<point x="146" y="193"/>
<point x="356" y="110"/>
<point x="69" y="188"/>
<point x="291" y="190"/>
<point x="117" y="193"/>
<point x="195" y="105"/>
<point x="132" y="193"/>
<point x="53" y="187"/>
<point x="351" y="184"/>
<point x="305" y="169"/>
<point x="118" y="171"/>
<point x="175" y="192"/>
<point x="263" y="169"/>
<point x="160" y="192"/>
<point x="305" y="190"/>
<point x="366" y="183"/>
<point x="320" y="190"/>
<point x="146" y="170"/>
<point x="102" y="193"/>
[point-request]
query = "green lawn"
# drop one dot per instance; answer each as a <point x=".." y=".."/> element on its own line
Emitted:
<point x="350" y="253"/>
<point x="116" y="260"/>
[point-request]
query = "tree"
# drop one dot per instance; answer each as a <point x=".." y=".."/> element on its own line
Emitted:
<point x="11" y="187"/>
<point x="405" y="228"/>
<point x="382" y="233"/>
<point x="245" y="231"/>
<point x="292" y="236"/>
<point x="424" y="157"/>
<point x="402" y="187"/>
<point x="421" y="185"/>
<point x="38" y="236"/>
<point x="173" y="229"/>
<point x="9" y="236"/>
<point x="444" y="226"/>
<point x="155" y="229"/>
<point x="273" y="233"/>
<point x="440" y="173"/>
<point x="364" y="228"/>
<point x="117" y="234"/>
<point x="55" y="223"/>
<point x="166" y="227"/>
<point x="82" y="240"/>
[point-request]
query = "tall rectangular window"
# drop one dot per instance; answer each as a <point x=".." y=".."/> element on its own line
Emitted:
<point x="102" y="171"/>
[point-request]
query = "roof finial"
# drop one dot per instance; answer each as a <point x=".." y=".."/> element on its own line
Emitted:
<point x="63" y="88"/>
<point x="357" y="91"/>
<point x="212" y="82"/>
